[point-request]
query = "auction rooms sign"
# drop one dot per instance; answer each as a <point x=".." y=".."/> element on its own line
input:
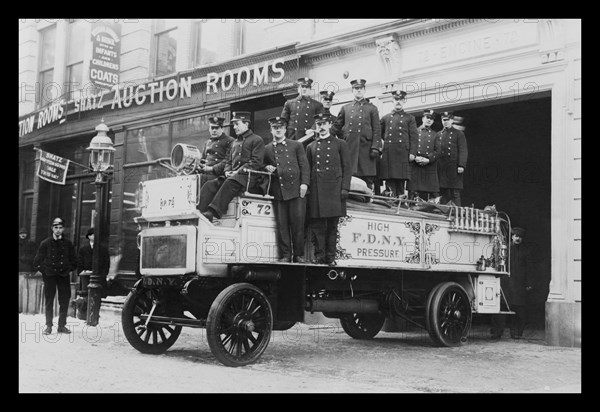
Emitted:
<point x="105" y="64"/>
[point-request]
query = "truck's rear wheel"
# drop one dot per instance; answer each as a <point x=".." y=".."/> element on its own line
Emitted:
<point x="449" y="314"/>
<point x="154" y="338"/>
<point x="362" y="325"/>
<point x="239" y="324"/>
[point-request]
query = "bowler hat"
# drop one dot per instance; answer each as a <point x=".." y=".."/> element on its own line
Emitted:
<point x="23" y="230"/>
<point x="519" y="231"/>
<point x="89" y="232"/>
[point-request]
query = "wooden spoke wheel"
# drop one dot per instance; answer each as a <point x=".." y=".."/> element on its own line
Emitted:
<point x="239" y="325"/>
<point x="449" y="314"/>
<point x="362" y="325"/>
<point x="153" y="338"/>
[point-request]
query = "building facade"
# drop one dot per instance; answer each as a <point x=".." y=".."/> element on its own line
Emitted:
<point x="515" y="83"/>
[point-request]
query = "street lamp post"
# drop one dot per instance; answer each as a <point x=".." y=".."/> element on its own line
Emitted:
<point x="101" y="155"/>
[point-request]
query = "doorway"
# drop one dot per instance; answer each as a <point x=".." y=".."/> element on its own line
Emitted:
<point x="509" y="166"/>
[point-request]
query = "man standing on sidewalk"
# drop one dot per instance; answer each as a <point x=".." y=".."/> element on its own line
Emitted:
<point x="56" y="258"/>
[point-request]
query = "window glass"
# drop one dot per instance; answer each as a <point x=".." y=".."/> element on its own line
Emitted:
<point x="193" y="131"/>
<point x="74" y="80"/>
<point x="147" y="143"/>
<point x="47" y="48"/>
<point x="166" y="46"/>
<point x="76" y="42"/>
<point x="48" y="90"/>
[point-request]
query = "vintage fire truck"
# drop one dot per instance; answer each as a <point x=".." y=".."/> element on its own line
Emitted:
<point x="434" y="266"/>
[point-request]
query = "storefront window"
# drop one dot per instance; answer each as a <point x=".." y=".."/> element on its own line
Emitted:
<point x="193" y="131"/>
<point x="147" y="143"/>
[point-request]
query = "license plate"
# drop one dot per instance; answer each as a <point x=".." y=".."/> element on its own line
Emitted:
<point x="154" y="281"/>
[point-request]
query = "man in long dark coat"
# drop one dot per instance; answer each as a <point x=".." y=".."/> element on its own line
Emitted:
<point x="424" y="176"/>
<point x="400" y="136"/>
<point x="515" y="287"/>
<point x="299" y="112"/>
<point x="27" y="251"/>
<point x="56" y="258"/>
<point x="216" y="150"/>
<point x="452" y="161"/>
<point x="286" y="159"/>
<point x="330" y="175"/>
<point x="359" y="124"/>
<point x="247" y="152"/>
<point x="85" y="260"/>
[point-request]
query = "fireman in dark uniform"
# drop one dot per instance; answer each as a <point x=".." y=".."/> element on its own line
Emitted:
<point x="330" y="175"/>
<point x="400" y="137"/>
<point x="327" y="101"/>
<point x="247" y="152"/>
<point x="424" y="176"/>
<point x="452" y="161"/>
<point x="299" y="112"/>
<point x="358" y="122"/>
<point x="287" y="160"/>
<point x="215" y="151"/>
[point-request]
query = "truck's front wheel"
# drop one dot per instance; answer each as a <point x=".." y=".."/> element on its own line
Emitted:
<point x="239" y="324"/>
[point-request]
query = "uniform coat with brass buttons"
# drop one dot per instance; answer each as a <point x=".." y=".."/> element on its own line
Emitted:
<point x="330" y="172"/>
<point x="215" y="153"/>
<point x="291" y="165"/>
<point x="424" y="178"/>
<point x="291" y="171"/>
<point x="299" y="113"/>
<point x="400" y="135"/>
<point x="247" y="152"/>
<point x="453" y="154"/>
<point x="359" y="124"/>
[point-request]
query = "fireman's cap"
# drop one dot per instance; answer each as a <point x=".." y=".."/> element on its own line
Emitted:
<point x="58" y="222"/>
<point x="277" y="121"/>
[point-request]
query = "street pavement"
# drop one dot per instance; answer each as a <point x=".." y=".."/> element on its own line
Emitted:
<point x="309" y="358"/>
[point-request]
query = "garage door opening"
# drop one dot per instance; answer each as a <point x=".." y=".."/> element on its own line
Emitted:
<point x="509" y="166"/>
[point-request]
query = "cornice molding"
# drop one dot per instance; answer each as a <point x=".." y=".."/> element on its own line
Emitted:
<point x="365" y="39"/>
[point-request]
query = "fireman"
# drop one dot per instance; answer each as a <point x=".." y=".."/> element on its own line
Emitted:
<point x="247" y="153"/>
<point x="330" y="175"/>
<point x="424" y="177"/>
<point x="452" y="161"/>
<point x="287" y="160"/>
<point x="400" y="137"/>
<point x="299" y="112"/>
<point x="358" y="123"/>
<point x="215" y="151"/>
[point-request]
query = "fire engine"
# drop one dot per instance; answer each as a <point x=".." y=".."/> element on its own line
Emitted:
<point x="433" y="265"/>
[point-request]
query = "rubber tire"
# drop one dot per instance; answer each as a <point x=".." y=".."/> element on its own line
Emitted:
<point x="362" y="326"/>
<point x="128" y="314"/>
<point x="215" y="318"/>
<point x="438" y="319"/>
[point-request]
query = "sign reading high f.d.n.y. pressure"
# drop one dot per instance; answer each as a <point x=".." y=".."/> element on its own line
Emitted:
<point x="105" y="64"/>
